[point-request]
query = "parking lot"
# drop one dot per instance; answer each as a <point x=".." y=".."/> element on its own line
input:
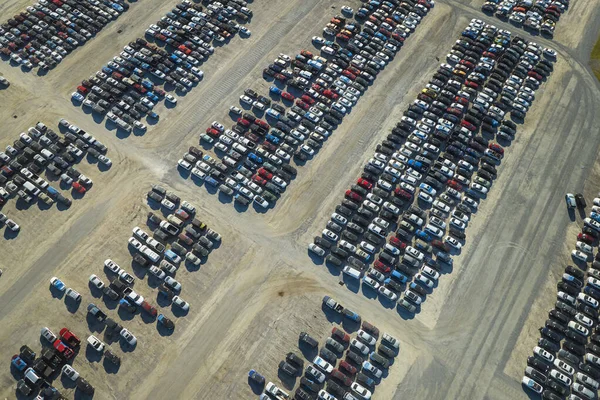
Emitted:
<point x="259" y="289"/>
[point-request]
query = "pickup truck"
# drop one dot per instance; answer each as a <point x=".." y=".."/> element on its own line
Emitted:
<point x="274" y="391"/>
<point x="334" y="305"/>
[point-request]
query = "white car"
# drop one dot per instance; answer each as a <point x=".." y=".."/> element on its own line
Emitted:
<point x="157" y="272"/>
<point x="179" y="302"/>
<point x="171" y="99"/>
<point x="70" y="372"/>
<point x="95" y="343"/>
<point x="560" y="377"/>
<point x="173" y="284"/>
<point x="579" y="255"/>
<point x="361" y="391"/>
<point x="323" y="365"/>
<point x="366" y="338"/>
<point x="367" y="280"/>
<point x="112" y="266"/>
<point x="564" y="367"/>
<point x="48" y="335"/>
<point x="136" y="244"/>
<point x="531" y="384"/>
<point x="361" y="347"/>
<point x="543" y="354"/>
<point x="128" y="337"/>
<point x="96" y="282"/>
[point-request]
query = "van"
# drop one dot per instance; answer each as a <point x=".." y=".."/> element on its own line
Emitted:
<point x="175" y="221"/>
<point x="354" y="273"/>
<point x="31" y="189"/>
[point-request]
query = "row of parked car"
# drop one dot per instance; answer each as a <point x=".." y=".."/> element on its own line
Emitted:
<point x="41" y="150"/>
<point x="574" y="367"/>
<point x="128" y="87"/>
<point x="319" y="89"/>
<point x="344" y="368"/>
<point x="536" y="16"/>
<point x="433" y="156"/>
<point x="38" y="372"/>
<point x="46" y="32"/>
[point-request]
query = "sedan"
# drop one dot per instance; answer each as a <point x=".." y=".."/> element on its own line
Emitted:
<point x="96" y="282"/>
<point x="179" y="302"/>
<point x="128" y="337"/>
<point x="173" y="284"/>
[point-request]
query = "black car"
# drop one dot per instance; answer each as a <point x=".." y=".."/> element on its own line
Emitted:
<point x="325" y="244"/>
<point x="309" y="385"/>
<point x="548" y="345"/>
<point x="576" y="272"/>
<point x="354" y="358"/>
<point x="328" y="355"/>
<point x="562" y="286"/>
<point x="574" y="348"/>
<point x="306" y="338"/>
<point x="568" y="356"/>
<point x="556" y="326"/>
<point x="300" y="394"/>
<point x="288" y="368"/>
<point x="559" y="316"/>
<point x="589" y="370"/>
<point x="557" y="388"/>
<point x="550" y="395"/>
<point x="551" y="334"/>
<point x="565" y="308"/>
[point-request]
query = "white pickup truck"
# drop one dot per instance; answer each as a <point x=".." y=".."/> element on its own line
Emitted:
<point x="276" y="392"/>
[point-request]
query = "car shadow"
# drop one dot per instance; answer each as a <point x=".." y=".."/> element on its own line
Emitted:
<point x="308" y="352"/>
<point x="92" y="355"/>
<point x="350" y="325"/>
<point x="97" y="293"/>
<point x="331" y="315"/>
<point x="369" y="292"/>
<point x="72" y="305"/>
<point x="317" y="260"/>
<point x="351" y="284"/>
<point x="177" y="311"/>
<point x="125" y="315"/>
<point x="288" y="381"/>
<point x="57" y="294"/>
<point x="405" y="314"/>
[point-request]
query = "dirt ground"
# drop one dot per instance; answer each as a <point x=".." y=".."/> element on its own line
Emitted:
<point x="259" y="289"/>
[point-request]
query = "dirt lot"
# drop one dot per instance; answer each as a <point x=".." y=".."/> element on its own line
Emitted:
<point x="259" y="289"/>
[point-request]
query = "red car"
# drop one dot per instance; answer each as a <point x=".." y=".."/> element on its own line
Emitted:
<point x="385" y="32"/>
<point x="287" y="96"/>
<point x="243" y="122"/>
<point x="348" y="74"/>
<point x="349" y="368"/>
<point x="467" y="64"/>
<point x="455" y="185"/>
<point x="213" y="132"/>
<point x="82" y="89"/>
<point x="471" y="84"/>
<point x="585" y="238"/>
<point x="281" y="77"/>
<point x="341" y="36"/>
<point x="353" y="196"/>
<point x="468" y="125"/>
<point x="370" y="328"/>
<point x="454" y="111"/>
<point x="262" y="123"/>
<point x="257" y="179"/>
<point x="302" y="104"/>
<point x="364" y="183"/>
<point x="489" y="55"/>
<point x="440" y="245"/>
<point x="265" y="174"/>
<point x="63" y="349"/>
<point x="330" y="94"/>
<point x="341" y="377"/>
<point x="379" y="266"/>
<point x="535" y="75"/>
<point x="402" y="193"/>
<point x="269" y="146"/>
<point x="496" y="147"/>
<point x="307" y="99"/>
<point x="69" y="337"/>
<point x="147" y="307"/>
<point x="306" y="53"/>
<point x="397" y="243"/>
<point x="354" y="70"/>
<point x="252" y="136"/>
<point x="461" y="100"/>
<point x="340" y="335"/>
<point x="77" y="186"/>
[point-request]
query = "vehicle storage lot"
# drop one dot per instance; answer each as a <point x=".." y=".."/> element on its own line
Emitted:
<point x="259" y="290"/>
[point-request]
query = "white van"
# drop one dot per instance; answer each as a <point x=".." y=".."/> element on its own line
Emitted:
<point x="354" y="273"/>
<point x="31" y="189"/>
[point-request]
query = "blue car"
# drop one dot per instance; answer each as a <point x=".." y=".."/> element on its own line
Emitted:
<point x="351" y="315"/>
<point x="256" y="377"/>
<point x="595" y="216"/>
<point x="256" y="158"/>
<point x="211" y="181"/>
<point x="273" y="114"/>
<point x="275" y="89"/>
<point x="147" y="84"/>
<point x="272" y="139"/>
<point x="166" y="322"/>
<point x="423" y="235"/>
<point x="107" y="70"/>
<point x="152" y="96"/>
<point x="117" y="7"/>
<point x="58" y="284"/>
<point x="77" y="97"/>
<point x="18" y="363"/>
<point x="398" y="276"/>
<point x="444" y="257"/>
<point x="172" y="256"/>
